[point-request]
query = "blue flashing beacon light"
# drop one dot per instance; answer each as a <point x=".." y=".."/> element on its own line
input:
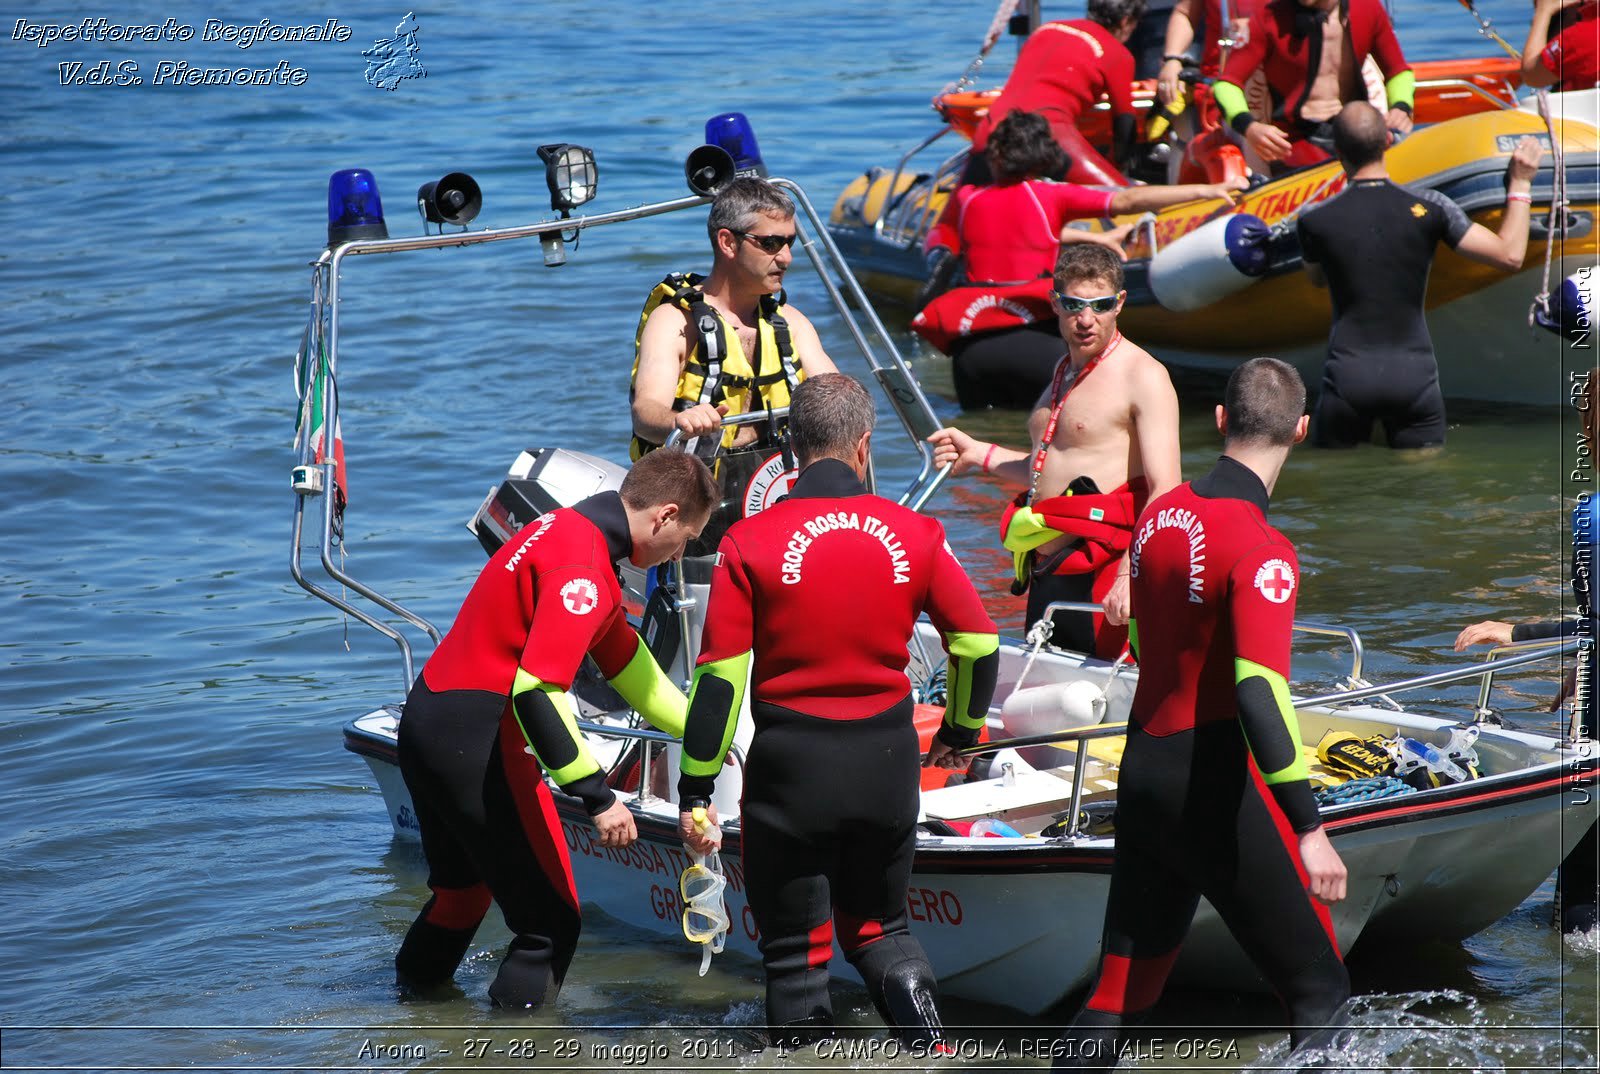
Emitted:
<point x="731" y="131"/>
<point x="354" y="211"/>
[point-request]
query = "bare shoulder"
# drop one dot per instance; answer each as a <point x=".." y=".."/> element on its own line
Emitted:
<point x="796" y="318"/>
<point x="1144" y="369"/>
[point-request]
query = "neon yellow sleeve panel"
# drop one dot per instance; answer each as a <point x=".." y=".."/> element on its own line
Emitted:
<point x="1133" y="637"/>
<point x="582" y="764"/>
<point x="1028" y="530"/>
<point x="1289" y="744"/>
<point x="714" y="702"/>
<point x="965" y="650"/>
<point x="1401" y="89"/>
<point x="645" y="687"/>
<point x="1229" y="98"/>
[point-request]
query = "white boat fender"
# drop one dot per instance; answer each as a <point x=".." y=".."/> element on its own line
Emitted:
<point x="1569" y="310"/>
<point x="1211" y="262"/>
<point x="1058" y="706"/>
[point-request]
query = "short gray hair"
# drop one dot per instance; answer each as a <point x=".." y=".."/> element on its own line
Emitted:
<point x="741" y="201"/>
<point x="828" y="416"/>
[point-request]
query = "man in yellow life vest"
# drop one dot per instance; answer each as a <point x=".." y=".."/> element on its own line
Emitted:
<point x="726" y="343"/>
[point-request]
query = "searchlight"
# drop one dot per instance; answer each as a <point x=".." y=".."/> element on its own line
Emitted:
<point x="571" y="172"/>
<point x="354" y="211"/>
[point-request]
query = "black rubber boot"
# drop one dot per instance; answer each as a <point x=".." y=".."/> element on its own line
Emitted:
<point x="792" y="1036"/>
<point x="525" y="978"/>
<point x="904" y="991"/>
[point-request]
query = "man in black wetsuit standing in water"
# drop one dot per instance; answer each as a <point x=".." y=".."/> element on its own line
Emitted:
<point x="1372" y="246"/>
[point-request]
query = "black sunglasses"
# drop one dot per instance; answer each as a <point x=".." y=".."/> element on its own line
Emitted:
<point x="769" y="243"/>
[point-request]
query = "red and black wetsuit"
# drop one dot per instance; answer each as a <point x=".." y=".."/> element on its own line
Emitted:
<point x="1212" y="790"/>
<point x="1573" y="55"/>
<point x="1063" y="69"/>
<point x="817" y="596"/>
<point x="490" y="691"/>
<point x="1285" y="41"/>
<point x="1375" y="241"/>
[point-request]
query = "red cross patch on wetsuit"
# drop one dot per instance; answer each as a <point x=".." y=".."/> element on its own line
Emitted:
<point x="547" y="597"/>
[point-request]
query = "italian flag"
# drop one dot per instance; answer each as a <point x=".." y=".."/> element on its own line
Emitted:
<point x="312" y="385"/>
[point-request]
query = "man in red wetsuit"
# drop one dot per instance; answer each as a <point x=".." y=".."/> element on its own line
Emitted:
<point x="1311" y="52"/>
<point x="489" y="716"/>
<point x="1212" y="796"/>
<point x="815" y="599"/>
<point x="1063" y="69"/>
<point x="1563" y="46"/>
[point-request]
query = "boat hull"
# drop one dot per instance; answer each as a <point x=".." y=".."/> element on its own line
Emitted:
<point x="1437" y="865"/>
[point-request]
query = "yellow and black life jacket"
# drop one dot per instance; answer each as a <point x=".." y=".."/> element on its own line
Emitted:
<point x="718" y="371"/>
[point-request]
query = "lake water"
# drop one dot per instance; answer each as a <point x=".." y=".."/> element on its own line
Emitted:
<point x="198" y="876"/>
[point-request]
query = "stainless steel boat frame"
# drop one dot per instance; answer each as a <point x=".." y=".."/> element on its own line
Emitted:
<point x="321" y="339"/>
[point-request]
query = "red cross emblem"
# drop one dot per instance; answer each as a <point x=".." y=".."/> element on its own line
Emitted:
<point x="1275" y="580"/>
<point x="580" y="596"/>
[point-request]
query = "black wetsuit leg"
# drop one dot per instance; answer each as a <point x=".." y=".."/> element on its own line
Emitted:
<point x="1402" y="392"/>
<point x="1008" y="369"/>
<point x="829" y="817"/>
<point x="1193" y="819"/>
<point x="488" y="825"/>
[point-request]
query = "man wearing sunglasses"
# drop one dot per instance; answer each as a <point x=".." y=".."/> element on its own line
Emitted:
<point x="725" y="343"/>
<point x="1105" y="441"/>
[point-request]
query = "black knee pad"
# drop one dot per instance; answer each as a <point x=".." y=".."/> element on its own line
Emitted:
<point x="430" y="954"/>
<point x="902" y="987"/>
<point x="526" y="978"/>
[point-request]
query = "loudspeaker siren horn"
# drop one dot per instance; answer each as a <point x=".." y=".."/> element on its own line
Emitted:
<point x="454" y="199"/>
<point x="708" y="169"/>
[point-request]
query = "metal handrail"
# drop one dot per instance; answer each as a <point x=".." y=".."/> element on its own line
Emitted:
<point x="749" y="417"/>
<point x="1079" y="767"/>
<point x="645" y="734"/>
<point x="1439" y="678"/>
<point x="894" y="375"/>
<point x="1487" y="685"/>
<point x="1356" y="651"/>
<point x="1356" y="648"/>
<point x="922" y="485"/>
<point x="345" y="606"/>
<point x="878" y="225"/>
<point x="1095" y="731"/>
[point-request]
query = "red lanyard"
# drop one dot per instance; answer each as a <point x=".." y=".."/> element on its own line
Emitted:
<point x="1060" y="398"/>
